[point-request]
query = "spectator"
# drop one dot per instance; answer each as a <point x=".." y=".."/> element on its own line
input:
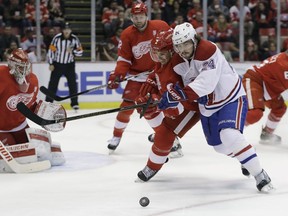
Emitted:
<point x="264" y="16"/>
<point x="48" y="38"/>
<point x="116" y="38"/>
<point x="264" y="49"/>
<point x="215" y="9"/>
<point x="178" y="20"/>
<point x="56" y="10"/>
<point x="171" y="10"/>
<point x="235" y="18"/>
<point x="284" y="45"/>
<point x="156" y="12"/>
<point x="2" y="15"/>
<point x="122" y="22"/>
<point x="14" y="14"/>
<point x="108" y="51"/>
<point x="109" y="19"/>
<point x="197" y="23"/>
<point x="29" y="45"/>
<point x="30" y="14"/>
<point x="13" y="46"/>
<point x="5" y="40"/>
<point x="223" y="30"/>
<point x="196" y="8"/>
<point x="251" y="51"/>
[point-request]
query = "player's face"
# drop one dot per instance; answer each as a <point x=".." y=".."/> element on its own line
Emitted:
<point x="163" y="56"/>
<point x="139" y="20"/>
<point x="185" y="49"/>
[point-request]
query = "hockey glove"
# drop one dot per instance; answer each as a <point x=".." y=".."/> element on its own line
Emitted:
<point x="169" y="106"/>
<point x="203" y="100"/>
<point x="151" y="108"/>
<point x="150" y="86"/>
<point x="176" y="92"/>
<point x="51" y="111"/>
<point x="114" y="80"/>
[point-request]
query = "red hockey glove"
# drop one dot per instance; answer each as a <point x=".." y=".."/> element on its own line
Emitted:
<point x="150" y="86"/>
<point x="151" y="108"/>
<point x="114" y="80"/>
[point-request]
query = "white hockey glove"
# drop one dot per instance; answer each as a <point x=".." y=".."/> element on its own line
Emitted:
<point x="51" y="111"/>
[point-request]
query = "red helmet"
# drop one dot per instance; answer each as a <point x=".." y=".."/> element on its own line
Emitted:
<point x="19" y="64"/>
<point x="162" y="41"/>
<point x="139" y="8"/>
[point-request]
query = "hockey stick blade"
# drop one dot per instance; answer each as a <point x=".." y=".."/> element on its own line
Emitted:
<point x="41" y="121"/>
<point x="55" y="97"/>
<point x="22" y="168"/>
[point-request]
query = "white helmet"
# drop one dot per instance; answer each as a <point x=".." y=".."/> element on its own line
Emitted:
<point x="183" y="33"/>
<point x="19" y="65"/>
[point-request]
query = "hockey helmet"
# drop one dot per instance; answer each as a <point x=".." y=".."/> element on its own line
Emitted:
<point x="19" y="64"/>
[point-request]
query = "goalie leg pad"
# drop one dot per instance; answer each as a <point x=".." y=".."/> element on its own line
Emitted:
<point x="57" y="155"/>
<point x="23" y="154"/>
<point x="41" y="140"/>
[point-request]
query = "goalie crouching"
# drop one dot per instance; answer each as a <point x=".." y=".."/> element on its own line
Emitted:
<point x="26" y="145"/>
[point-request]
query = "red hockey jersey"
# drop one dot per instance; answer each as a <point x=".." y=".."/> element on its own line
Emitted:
<point x="274" y="72"/>
<point x="10" y="96"/>
<point x="134" y="48"/>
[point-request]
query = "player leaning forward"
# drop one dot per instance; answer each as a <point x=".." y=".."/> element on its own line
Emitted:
<point x="209" y="79"/>
<point x="20" y="84"/>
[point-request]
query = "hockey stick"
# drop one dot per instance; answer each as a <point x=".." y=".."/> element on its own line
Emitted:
<point x="41" y="121"/>
<point x="22" y="168"/>
<point x="55" y="97"/>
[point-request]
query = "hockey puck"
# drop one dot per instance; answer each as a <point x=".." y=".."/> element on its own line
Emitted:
<point x="144" y="201"/>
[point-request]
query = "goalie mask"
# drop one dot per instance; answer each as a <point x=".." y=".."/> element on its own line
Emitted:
<point x="20" y="66"/>
<point x="162" y="46"/>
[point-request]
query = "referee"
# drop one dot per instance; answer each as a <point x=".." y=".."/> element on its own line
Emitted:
<point x="61" y="58"/>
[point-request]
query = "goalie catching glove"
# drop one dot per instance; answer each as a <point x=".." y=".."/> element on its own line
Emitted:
<point x="51" y="111"/>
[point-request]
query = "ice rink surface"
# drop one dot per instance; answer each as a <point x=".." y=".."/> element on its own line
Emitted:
<point x="202" y="183"/>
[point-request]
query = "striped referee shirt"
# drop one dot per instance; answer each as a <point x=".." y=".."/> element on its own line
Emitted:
<point x="59" y="49"/>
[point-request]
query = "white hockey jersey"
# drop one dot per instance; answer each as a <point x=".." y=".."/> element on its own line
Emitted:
<point x="209" y="74"/>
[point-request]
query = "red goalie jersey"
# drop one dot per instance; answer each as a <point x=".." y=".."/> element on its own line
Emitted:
<point x="10" y="96"/>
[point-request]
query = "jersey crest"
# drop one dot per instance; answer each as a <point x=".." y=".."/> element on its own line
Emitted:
<point x="15" y="99"/>
<point x="141" y="49"/>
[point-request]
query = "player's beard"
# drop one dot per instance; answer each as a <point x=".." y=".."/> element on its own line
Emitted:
<point x="141" y="27"/>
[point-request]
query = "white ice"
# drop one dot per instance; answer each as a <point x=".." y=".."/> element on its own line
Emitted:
<point x="202" y="183"/>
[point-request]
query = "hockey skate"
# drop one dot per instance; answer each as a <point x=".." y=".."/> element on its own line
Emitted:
<point x="269" y="138"/>
<point x="263" y="182"/>
<point x="113" y="144"/>
<point x="176" y="150"/>
<point x="146" y="174"/>
<point x="245" y="172"/>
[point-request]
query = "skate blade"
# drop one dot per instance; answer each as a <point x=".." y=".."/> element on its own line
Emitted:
<point x="269" y="142"/>
<point x="269" y="188"/>
<point x="138" y="180"/>
<point x="176" y="154"/>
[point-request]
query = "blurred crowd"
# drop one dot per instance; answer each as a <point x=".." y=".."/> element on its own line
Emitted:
<point x="223" y="24"/>
<point x="17" y="25"/>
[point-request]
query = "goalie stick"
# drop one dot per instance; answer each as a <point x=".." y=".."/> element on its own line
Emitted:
<point x="41" y="121"/>
<point x="22" y="168"/>
<point x="55" y="97"/>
